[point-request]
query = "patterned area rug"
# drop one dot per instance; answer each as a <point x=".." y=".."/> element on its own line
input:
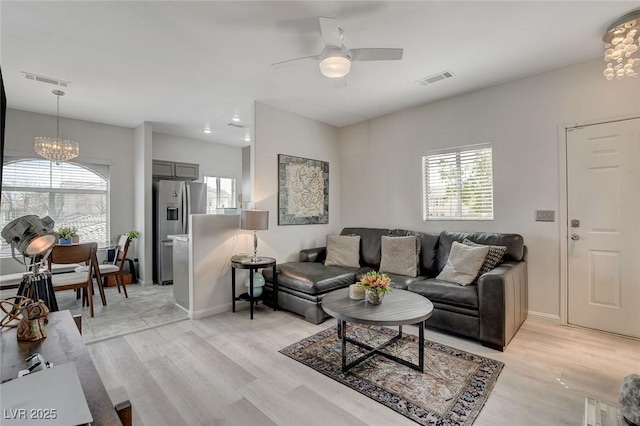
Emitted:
<point x="452" y="390"/>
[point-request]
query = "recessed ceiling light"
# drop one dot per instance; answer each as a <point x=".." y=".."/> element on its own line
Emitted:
<point x="235" y="118"/>
<point x="247" y="139"/>
<point x="207" y="131"/>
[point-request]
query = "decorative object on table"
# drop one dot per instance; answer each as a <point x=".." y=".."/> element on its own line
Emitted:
<point x="12" y="309"/>
<point x="630" y="399"/>
<point x="303" y="191"/>
<point x="376" y="285"/>
<point x="258" y="283"/>
<point x="67" y="234"/>
<point x="452" y="390"/>
<point x="33" y="321"/>
<point x="254" y="220"/>
<point x="622" y="47"/>
<point x="56" y="149"/>
<point x="356" y="291"/>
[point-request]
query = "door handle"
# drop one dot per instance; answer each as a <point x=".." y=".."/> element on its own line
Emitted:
<point x="575" y="237"/>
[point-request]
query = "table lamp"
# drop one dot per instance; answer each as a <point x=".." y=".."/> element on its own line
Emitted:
<point x="254" y="220"/>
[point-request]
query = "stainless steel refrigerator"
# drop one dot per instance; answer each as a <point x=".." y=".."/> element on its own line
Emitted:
<point x="173" y="202"/>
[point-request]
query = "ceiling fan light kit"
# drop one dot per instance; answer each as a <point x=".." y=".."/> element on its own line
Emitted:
<point x="335" y="66"/>
<point x="622" y="47"/>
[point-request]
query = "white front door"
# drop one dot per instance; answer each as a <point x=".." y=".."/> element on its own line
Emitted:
<point x="603" y="199"/>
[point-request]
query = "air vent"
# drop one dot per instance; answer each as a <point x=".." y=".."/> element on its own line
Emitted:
<point x="435" y="78"/>
<point x="237" y="125"/>
<point x="43" y="79"/>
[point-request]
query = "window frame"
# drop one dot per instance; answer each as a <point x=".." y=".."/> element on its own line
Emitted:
<point x="234" y="195"/>
<point x="100" y="170"/>
<point x="458" y="151"/>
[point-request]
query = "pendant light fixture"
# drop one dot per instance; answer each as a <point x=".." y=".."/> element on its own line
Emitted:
<point x="56" y="149"/>
<point x="622" y="47"/>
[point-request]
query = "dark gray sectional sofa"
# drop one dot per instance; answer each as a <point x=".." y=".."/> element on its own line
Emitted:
<point x="491" y="310"/>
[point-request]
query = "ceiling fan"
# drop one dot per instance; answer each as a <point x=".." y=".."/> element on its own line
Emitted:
<point x="335" y="59"/>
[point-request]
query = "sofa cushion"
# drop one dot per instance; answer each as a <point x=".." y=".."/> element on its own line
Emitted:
<point x="400" y="255"/>
<point x="428" y="249"/>
<point x="463" y="264"/>
<point x="493" y="257"/>
<point x="370" y="239"/>
<point x="312" y="277"/>
<point x="447" y="292"/>
<point x="343" y="250"/>
<point x="513" y="242"/>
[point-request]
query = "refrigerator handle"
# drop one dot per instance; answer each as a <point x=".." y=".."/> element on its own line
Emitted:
<point x="185" y="208"/>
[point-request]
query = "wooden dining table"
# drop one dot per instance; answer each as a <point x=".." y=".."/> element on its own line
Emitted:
<point x="63" y="344"/>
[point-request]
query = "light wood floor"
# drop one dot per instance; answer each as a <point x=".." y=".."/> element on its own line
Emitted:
<point x="226" y="370"/>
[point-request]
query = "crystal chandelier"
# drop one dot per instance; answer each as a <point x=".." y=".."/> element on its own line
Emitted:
<point x="56" y="149"/>
<point x="622" y="47"/>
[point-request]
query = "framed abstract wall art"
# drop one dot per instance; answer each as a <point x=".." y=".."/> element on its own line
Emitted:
<point x="303" y="191"/>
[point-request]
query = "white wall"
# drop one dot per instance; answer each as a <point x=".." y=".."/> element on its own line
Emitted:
<point x="381" y="159"/>
<point x="282" y="132"/>
<point x="214" y="159"/>
<point x="99" y="143"/>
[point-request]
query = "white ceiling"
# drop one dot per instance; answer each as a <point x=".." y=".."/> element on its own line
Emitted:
<point x="187" y="65"/>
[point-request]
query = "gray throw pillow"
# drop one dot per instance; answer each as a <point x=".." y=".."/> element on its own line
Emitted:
<point x="343" y="250"/>
<point x="463" y="264"/>
<point x="399" y="255"/>
<point x="493" y="258"/>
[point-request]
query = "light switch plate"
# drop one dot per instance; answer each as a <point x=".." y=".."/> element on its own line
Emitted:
<point x="545" y="215"/>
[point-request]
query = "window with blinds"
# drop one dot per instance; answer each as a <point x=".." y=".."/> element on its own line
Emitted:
<point x="73" y="194"/>
<point x="221" y="193"/>
<point x="458" y="184"/>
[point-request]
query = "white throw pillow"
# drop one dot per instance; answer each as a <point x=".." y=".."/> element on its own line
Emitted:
<point x="343" y="250"/>
<point x="463" y="264"/>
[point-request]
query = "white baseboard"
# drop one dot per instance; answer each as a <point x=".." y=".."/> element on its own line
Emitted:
<point x="202" y="313"/>
<point x="542" y="315"/>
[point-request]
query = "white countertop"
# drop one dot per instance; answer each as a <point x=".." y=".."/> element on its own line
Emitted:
<point x="179" y="237"/>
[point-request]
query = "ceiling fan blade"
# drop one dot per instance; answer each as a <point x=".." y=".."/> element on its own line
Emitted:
<point x="330" y="32"/>
<point x="376" y="54"/>
<point x="339" y="82"/>
<point x="291" y="62"/>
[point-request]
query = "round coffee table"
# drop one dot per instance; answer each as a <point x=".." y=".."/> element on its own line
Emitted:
<point x="398" y="308"/>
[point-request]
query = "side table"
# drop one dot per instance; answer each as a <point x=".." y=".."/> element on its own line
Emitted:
<point x="247" y="263"/>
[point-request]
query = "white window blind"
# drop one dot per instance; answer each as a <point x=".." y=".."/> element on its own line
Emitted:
<point x="73" y="194"/>
<point x="458" y="184"/>
<point x="221" y="193"/>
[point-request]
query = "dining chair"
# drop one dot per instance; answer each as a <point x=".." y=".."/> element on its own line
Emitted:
<point x="75" y="253"/>
<point x="116" y="268"/>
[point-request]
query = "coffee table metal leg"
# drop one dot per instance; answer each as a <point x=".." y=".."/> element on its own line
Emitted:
<point x="421" y="347"/>
<point x="343" y="330"/>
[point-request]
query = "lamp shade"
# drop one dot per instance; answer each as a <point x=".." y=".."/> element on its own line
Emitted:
<point x="254" y="220"/>
<point x="30" y="234"/>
